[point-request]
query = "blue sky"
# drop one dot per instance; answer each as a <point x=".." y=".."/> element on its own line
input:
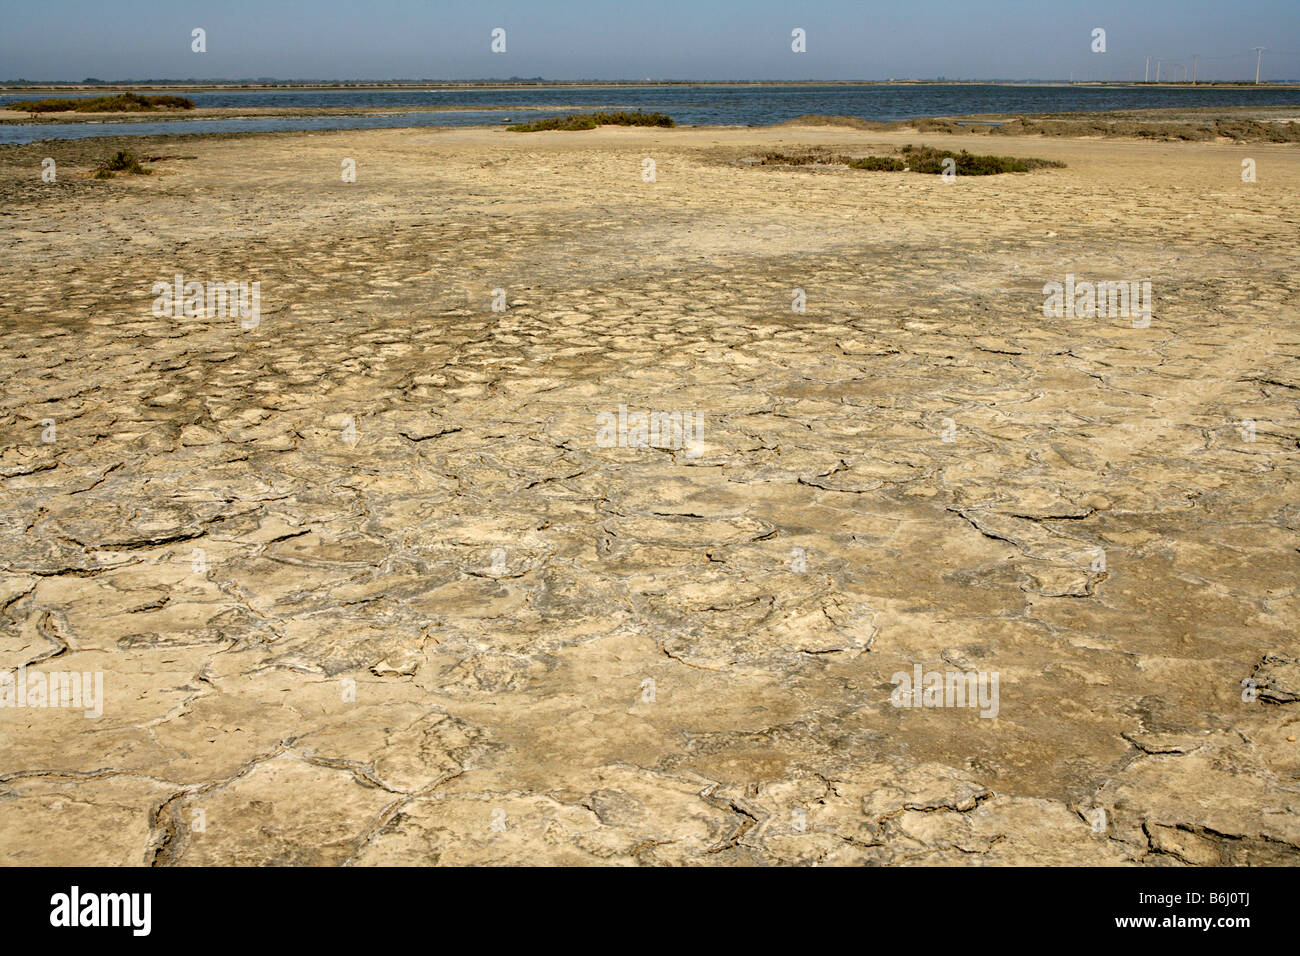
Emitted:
<point x="662" y="39"/>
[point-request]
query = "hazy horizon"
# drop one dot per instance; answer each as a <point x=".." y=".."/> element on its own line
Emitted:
<point x="580" y="81"/>
<point x="669" y="41"/>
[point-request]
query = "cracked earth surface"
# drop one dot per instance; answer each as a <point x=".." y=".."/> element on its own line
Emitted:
<point x="205" y="530"/>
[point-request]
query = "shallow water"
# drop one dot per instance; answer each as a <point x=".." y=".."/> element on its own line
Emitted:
<point x="694" y="105"/>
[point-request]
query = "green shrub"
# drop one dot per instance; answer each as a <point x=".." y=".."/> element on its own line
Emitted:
<point x="579" y="121"/>
<point x="814" y="157"/>
<point x="918" y="159"/>
<point x="557" y="122"/>
<point x="887" y="164"/>
<point x="927" y="159"/>
<point x="120" y="162"/>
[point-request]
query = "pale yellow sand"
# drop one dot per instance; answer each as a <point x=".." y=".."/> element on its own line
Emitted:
<point x="500" y="588"/>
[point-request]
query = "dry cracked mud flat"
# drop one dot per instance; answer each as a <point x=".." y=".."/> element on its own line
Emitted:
<point x="364" y="588"/>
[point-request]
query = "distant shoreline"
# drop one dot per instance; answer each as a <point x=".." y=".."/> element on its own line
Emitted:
<point x="7" y="117"/>
<point x="14" y="117"/>
<point x="1279" y="125"/>
<point x="198" y="87"/>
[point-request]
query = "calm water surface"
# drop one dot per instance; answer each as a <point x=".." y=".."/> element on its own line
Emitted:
<point x="693" y="105"/>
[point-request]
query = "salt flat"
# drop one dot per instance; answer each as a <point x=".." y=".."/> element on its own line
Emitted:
<point x="365" y="588"/>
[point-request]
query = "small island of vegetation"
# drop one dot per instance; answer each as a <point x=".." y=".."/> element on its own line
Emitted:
<point x="579" y="121"/>
<point x="118" y="103"/>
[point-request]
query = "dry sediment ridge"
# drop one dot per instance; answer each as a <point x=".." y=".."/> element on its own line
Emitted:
<point x="364" y="587"/>
<point x="1234" y="124"/>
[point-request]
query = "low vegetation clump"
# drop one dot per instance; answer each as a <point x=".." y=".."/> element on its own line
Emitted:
<point x="884" y="164"/>
<point x="916" y="159"/>
<point x="927" y="159"/>
<point x="121" y="162"/>
<point x="578" y="121"/>
<point x="811" y="158"/>
<point x="119" y="103"/>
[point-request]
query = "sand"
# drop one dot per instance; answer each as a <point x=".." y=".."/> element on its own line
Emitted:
<point x="365" y="586"/>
